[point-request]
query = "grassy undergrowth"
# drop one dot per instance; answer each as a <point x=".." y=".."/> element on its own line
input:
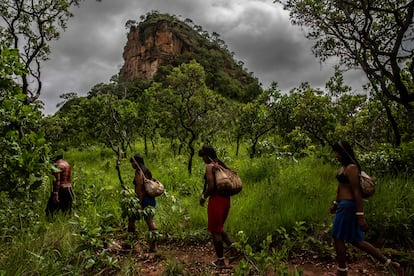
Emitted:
<point x="285" y="200"/>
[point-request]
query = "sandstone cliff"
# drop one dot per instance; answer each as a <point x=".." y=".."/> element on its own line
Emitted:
<point x="146" y="51"/>
<point x="162" y="39"/>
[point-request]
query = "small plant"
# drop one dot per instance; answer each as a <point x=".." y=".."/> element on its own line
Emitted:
<point x="173" y="268"/>
<point x="130" y="204"/>
<point x="301" y="239"/>
<point x="262" y="262"/>
<point x="94" y="240"/>
<point x="153" y="236"/>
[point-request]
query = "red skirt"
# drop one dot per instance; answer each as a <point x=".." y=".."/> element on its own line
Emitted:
<point x="218" y="209"/>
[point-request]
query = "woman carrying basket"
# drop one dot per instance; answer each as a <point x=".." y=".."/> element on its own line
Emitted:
<point x="217" y="210"/>
<point x="141" y="172"/>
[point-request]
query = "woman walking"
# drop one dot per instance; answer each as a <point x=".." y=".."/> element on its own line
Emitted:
<point x="137" y="163"/>
<point x="218" y="208"/>
<point x="349" y="223"/>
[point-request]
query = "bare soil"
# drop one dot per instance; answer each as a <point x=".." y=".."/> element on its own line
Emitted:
<point x="197" y="260"/>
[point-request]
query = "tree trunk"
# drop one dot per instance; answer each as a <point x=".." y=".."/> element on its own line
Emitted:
<point x="145" y="145"/>
<point x="394" y="125"/>
<point x="410" y="111"/>
<point x="253" y="149"/>
<point x="237" y="145"/>
<point x="192" y="151"/>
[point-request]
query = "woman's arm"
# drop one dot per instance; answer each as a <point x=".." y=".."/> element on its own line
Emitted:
<point x="353" y="176"/>
<point x="56" y="187"/>
<point x="210" y="180"/>
<point x="139" y="185"/>
<point x="210" y="183"/>
<point x="334" y="205"/>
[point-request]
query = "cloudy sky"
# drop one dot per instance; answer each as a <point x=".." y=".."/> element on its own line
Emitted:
<point x="257" y="31"/>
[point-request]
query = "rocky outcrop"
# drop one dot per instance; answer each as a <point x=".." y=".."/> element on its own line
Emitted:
<point x="162" y="39"/>
<point x="150" y="47"/>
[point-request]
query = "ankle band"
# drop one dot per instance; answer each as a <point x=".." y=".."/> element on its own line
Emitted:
<point x="342" y="269"/>
<point x="387" y="262"/>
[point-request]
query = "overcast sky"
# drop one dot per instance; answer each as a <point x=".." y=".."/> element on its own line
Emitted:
<point x="257" y="31"/>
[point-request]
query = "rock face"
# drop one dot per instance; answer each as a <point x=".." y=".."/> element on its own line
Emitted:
<point x="149" y="48"/>
<point x="162" y="40"/>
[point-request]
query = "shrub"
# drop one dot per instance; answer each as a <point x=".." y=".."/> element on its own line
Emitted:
<point x="389" y="160"/>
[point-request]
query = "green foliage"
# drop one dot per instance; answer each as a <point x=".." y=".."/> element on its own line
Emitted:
<point x="354" y="33"/>
<point x="23" y="149"/>
<point x="255" y="122"/>
<point x="287" y="199"/>
<point x="285" y="187"/>
<point x="92" y="241"/>
<point x="29" y="27"/>
<point x="42" y="248"/>
<point x="101" y="120"/>
<point x="188" y="107"/>
<point x="314" y="114"/>
<point x="294" y="124"/>
<point x="173" y="268"/>
<point x="299" y="142"/>
<point x="130" y="204"/>
<point x="267" y="260"/>
<point x="391" y="211"/>
<point x="389" y="160"/>
<point x="15" y="217"/>
<point x="297" y="240"/>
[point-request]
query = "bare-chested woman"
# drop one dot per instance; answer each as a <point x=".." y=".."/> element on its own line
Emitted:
<point x="349" y="223"/>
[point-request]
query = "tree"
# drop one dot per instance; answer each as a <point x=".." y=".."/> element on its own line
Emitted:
<point x="66" y="97"/>
<point x="315" y="114"/>
<point x="258" y="118"/>
<point x="284" y="106"/>
<point x="375" y="36"/>
<point x="24" y="152"/>
<point x="188" y="107"/>
<point x="29" y="26"/>
<point x="255" y="121"/>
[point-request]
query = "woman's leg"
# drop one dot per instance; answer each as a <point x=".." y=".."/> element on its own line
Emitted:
<point x="376" y="253"/>
<point x="131" y="225"/>
<point x="340" y="249"/>
<point x="226" y="238"/>
<point x="218" y="244"/>
<point x="152" y="227"/>
<point x="217" y="211"/>
<point x="218" y="247"/>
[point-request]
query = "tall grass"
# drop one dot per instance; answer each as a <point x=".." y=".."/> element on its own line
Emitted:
<point x="391" y="212"/>
<point x="277" y="193"/>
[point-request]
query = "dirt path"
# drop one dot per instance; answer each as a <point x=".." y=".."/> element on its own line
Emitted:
<point x="196" y="260"/>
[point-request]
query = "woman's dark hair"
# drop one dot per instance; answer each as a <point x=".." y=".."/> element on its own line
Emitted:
<point x="207" y="151"/>
<point x="139" y="161"/>
<point x="210" y="152"/>
<point x="346" y="152"/>
<point x="58" y="155"/>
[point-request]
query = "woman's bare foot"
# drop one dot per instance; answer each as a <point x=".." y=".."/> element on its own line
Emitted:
<point x="396" y="266"/>
<point x="219" y="263"/>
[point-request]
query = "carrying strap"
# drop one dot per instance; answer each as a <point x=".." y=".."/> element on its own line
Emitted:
<point x="217" y="164"/>
<point x="350" y="157"/>
<point x="139" y="167"/>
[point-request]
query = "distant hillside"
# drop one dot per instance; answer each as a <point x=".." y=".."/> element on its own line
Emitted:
<point x="163" y="40"/>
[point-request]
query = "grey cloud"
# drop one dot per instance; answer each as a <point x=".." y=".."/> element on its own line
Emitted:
<point x="257" y="31"/>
